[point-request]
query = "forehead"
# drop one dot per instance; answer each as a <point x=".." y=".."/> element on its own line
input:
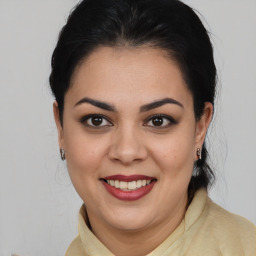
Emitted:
<point x="110" y="73"/>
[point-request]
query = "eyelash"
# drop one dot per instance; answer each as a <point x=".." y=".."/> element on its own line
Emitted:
<point x="170" y="120"/>
<point x="84" y="120"/>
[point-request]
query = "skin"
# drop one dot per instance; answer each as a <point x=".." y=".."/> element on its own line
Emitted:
<point x="129" y="143"/>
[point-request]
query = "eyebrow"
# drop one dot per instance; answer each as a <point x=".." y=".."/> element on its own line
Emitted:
<point x="159" y="103"/>
<point x="144" y="108"/>
<point x="96" y="103"/>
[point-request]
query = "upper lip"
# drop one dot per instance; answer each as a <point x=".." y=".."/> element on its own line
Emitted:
<point x="128" y="178"/>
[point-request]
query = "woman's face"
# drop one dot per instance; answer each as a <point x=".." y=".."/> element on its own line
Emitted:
<point x="128" y="121"/>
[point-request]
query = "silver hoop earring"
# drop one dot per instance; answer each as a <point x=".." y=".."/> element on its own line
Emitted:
<point x="199" y="154"/>
<point x="62" y="154"/>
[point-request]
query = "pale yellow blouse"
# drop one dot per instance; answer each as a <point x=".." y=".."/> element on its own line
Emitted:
<point x="206" y="230"/>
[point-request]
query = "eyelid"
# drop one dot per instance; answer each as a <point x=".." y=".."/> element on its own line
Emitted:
<point x="87" y="117"/>
<point x="169" y="118"/>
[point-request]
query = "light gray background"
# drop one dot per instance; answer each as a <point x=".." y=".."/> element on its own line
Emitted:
<point x="38" y="205"/>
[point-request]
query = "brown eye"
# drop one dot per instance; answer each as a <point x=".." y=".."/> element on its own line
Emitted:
<point x="157" y="121"/>
<point x="97" y="120"/>
<point x="160" y="121"/>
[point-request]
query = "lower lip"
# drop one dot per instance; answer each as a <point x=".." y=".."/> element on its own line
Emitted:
<point x="129" y="195"/>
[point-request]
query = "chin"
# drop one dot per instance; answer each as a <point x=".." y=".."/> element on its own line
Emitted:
<point x="130" y="220"/>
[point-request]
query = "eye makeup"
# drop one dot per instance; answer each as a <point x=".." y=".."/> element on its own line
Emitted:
<point x="160" y="121"/>
<point x="95" y="121"/>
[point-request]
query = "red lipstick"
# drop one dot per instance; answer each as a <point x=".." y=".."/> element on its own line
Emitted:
<point x="128" y="178"/>
<point x="129" y="195"/>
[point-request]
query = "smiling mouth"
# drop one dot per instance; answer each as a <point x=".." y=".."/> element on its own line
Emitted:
<point x="130" y="185"/>
<point x="128" y="188"/>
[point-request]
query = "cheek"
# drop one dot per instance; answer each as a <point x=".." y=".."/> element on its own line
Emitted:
<point x="84" y="155"/>
<point x="175" y="155"/>
<point x="84" y="160"/>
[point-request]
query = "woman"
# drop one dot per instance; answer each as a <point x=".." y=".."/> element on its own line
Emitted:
<point x="134" y="82"/>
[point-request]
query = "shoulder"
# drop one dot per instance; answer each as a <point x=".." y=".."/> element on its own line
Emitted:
<point x="75" y="248"/>
<point x="212" y="230"/>
<point x="228" y="220"/>
<point x="230" y="230"/>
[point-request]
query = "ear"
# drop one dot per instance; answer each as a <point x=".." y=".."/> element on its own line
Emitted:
<point x="58" y="124"/>
<point x="203" y="124"/>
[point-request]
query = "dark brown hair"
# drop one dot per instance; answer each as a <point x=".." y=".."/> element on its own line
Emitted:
<point x="166" y="24"/>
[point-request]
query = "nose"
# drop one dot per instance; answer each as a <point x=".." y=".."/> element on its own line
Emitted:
<point x="127" y="146"/>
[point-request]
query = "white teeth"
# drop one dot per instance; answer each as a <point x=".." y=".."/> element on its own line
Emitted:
<point x="128" y="186"/>
<point x="123" y="185"/>
<point x="132" y="185"/>
<point x="116" y="184"/>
